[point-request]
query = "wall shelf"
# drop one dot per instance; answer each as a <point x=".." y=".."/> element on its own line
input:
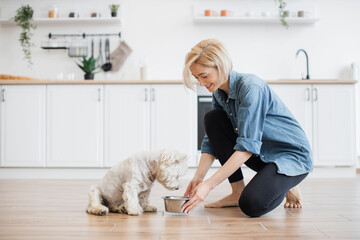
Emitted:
<point x="100" y="20"/>
<point x="264" y="20"/>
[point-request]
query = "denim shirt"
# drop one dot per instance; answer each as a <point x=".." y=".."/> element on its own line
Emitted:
<point x="264" y="125"/>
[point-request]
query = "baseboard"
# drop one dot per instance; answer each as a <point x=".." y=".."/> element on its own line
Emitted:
<point x="97" y="173"/>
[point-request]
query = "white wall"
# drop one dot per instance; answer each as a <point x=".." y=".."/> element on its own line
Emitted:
<point x="163" y="30"/>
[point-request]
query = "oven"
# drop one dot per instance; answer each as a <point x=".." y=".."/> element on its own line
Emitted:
<point x="204" y="102"/>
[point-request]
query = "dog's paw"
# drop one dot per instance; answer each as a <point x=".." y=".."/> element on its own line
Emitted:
<point x="119" y="209"/>
<point x="134" y="212"/>
<point x="150" y="208"/>
<point x="98" y="210"/>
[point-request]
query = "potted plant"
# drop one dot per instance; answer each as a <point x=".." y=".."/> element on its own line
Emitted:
<point x="89" y="66"/>
<point x="23" y="19"/>
<point x="114" y="8"/>
<point x="282" y="5"/>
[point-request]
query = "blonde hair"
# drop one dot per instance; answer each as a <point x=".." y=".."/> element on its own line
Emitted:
<point x="209" y="53"/>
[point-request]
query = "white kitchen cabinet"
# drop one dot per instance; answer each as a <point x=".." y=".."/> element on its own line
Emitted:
<point x="74" y="126"/>
<point x="23" y="125"/>
<point x="142" y="117"/>
<point x="173" y="123"/>
<point x="127" y="121"/>
<point x="327" y="114"/>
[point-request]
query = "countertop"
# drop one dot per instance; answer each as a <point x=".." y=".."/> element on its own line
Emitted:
<point x="32" y="82"/>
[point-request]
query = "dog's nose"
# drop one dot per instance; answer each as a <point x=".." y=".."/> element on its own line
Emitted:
<point x="177" y="188"/>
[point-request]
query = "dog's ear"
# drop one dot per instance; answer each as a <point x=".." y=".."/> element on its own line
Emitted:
<point x="183" y="157"/>
<point x="170" y="155"/>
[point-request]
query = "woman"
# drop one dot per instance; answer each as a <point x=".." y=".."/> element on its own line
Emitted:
<point x="248" y="124"/>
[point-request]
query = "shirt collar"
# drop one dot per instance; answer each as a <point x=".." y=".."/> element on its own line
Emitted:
<point x="232" y="92"/>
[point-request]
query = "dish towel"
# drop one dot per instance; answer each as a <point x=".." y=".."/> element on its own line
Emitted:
<point x="119" y="56"/>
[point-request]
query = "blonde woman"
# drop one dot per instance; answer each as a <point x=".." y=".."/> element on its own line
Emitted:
<point x="250" y="125"/>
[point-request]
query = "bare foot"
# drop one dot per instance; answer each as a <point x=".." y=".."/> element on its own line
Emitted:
<point x="231" y="200"/>
<point x="293" y="198"/>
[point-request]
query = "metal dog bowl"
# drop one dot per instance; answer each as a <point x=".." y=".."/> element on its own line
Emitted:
<point x="173" y="204"/>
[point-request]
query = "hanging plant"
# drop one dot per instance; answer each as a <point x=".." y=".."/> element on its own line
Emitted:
<point x="282" y="5"/>
<point x="23" y="19"/>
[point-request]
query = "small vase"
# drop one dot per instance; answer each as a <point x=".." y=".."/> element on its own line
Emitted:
<point x="89" y="76"/>
<point x="113" y="14"/>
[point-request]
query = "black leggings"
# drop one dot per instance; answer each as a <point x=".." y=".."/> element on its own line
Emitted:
<point x="267" y="188"/>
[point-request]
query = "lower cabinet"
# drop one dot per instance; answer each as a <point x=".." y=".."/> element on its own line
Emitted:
<point x="77" y="125"/>
<point x="326" y="112"/>
<point x="127" y="121"/>
<point x="74" y="126"/>
<point x="23" y="125"/>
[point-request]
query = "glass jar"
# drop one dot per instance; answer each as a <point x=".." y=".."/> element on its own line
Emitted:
<point x="53" y="12"/>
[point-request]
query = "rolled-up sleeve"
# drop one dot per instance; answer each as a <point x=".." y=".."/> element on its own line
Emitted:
<point x="251" y="114"/>
<point x="205" y="144"/>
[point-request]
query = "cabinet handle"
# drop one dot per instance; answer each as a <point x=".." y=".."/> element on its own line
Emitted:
<point x="3" y="95"/>
<point x="146" y="94"/>
<point x="315" y="96"/>
<point x="152" y="94"/>
<point x="307" y="97"/>
<point x="99" y="95"/>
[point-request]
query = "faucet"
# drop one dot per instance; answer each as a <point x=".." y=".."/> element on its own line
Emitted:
<point x="307" y="62"/>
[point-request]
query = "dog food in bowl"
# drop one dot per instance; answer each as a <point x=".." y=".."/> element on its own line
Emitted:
<point x="173" y="203"/>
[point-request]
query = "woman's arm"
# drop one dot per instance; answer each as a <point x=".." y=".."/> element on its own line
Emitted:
<point x="206" y="160"/>
<point x="202" y="190"/>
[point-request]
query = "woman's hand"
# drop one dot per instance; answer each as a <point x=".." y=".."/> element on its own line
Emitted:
<point x="199" y="194"/>
<point x="192" y="185"/>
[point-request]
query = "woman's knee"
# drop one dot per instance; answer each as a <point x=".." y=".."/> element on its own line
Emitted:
<point x="251" y="205"/>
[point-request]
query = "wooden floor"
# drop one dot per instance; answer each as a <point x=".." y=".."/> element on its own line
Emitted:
<point x="55" y="209"/>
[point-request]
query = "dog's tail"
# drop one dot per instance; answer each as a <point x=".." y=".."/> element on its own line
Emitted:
<point x="95" y="202"/>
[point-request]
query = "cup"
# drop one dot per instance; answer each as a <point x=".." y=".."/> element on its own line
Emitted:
<point x="71" y="76"/>
<point x="265" y="14"/>
<point x="288" y="13"/>
<point x="303" y="13"/>
<point x="95" y="14"/>
<point x="226" y="13"/>
<point x="250" y="14"/>
<point x="60" y="76"/>
<point x="210" y="13"/>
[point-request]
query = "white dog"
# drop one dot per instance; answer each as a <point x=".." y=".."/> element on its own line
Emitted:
<point x="126" y="186"/>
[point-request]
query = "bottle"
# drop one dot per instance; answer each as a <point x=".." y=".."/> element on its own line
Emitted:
<point x="143" y="69"/>
<point x="53" y="12"/>
<point x="355" y="71"/>
<point x="143" y="73"/>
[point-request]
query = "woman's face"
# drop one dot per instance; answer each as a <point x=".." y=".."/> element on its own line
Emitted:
<point x="208" y="77"/>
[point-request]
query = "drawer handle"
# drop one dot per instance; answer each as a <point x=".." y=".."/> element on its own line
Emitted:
<point x="307" y="97"/>
<point x="146" y="94"/>
<point x="3" y="95"/>
<point x="315" y="94"/>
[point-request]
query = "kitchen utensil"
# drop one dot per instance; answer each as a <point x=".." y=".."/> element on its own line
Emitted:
<point x="173" y="203"/>
<point x="99" y="59"/>
<point x="119" y="56"/>
<point x="92" y="47"/>
<point x="78" y="48"/>
<point x="107" y="66"/>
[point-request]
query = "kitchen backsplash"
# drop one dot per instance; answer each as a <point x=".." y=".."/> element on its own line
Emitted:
<point x="161" y="32"/>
